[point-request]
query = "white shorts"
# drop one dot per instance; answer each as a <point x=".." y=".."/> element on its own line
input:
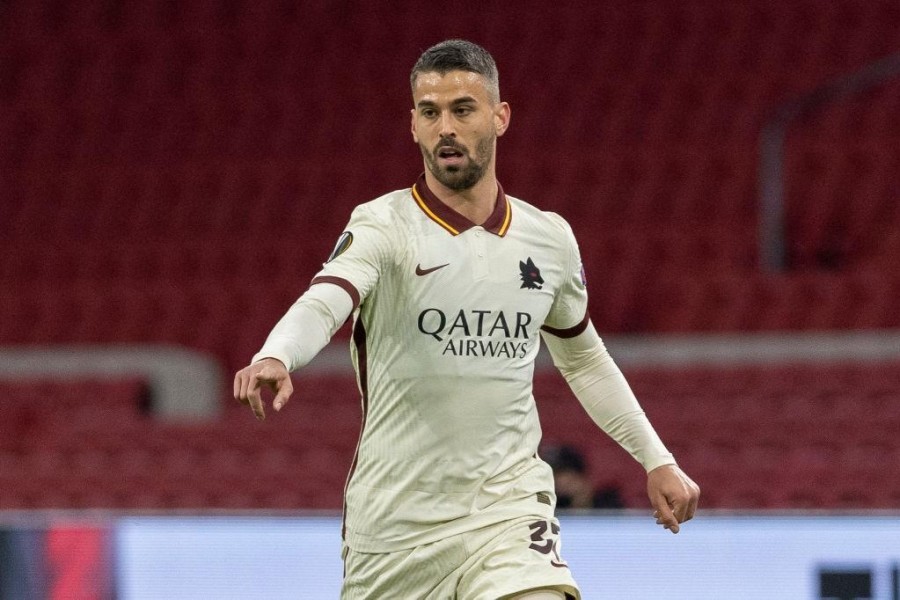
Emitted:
<point x="491" y="563"/>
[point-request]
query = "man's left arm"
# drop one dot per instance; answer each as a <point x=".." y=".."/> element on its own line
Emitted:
<point x="599" y="385"/>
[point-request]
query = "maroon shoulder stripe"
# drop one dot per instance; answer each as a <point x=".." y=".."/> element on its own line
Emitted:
<point x="341" y="283"/>
<point x="569" y="332"/>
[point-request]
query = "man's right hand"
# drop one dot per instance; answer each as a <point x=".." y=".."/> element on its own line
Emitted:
<point x="268" y="372"/>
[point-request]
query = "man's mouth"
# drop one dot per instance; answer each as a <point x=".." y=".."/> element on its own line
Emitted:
<point x="450" y="155"/>
<point x="448" y="152"/>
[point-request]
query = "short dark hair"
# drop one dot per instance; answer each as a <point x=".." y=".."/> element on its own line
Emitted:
<point x="459" y="55"/>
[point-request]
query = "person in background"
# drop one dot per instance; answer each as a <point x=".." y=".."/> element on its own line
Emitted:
<point x="574" y="488"/>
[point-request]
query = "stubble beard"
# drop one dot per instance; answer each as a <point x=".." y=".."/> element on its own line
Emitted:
<point x="466" y="176"/>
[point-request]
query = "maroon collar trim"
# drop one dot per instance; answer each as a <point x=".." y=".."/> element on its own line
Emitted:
<point x="497" y="223"/>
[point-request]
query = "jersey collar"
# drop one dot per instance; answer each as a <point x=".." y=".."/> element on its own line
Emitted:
<point x="497" y="223"/>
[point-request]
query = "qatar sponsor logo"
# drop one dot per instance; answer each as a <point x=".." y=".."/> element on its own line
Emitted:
<point x="475" y="332"/>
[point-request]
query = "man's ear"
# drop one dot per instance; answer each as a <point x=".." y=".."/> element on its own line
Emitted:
<point x="502" y="116"/>
<point x="413" y="125"/>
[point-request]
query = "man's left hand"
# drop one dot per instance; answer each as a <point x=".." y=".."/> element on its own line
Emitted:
<point x="674" y="496"/>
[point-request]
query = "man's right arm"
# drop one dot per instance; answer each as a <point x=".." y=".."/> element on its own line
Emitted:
<point x="307" y="326"/>
<point x="295" y="340"/>
<point x="349" y="275"/>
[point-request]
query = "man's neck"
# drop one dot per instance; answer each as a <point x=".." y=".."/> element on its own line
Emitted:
<point x="476" y="203"/>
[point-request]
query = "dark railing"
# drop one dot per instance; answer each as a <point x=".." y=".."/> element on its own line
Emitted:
<point x="772" y="243"/>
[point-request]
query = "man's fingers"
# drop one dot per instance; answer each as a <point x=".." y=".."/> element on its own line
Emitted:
<point x="267" y="374"/>
<point x="685" y="511"/>
<point x="679" y="503"/>
<point x="686" y="504"/>
<point x="236" y="387"/>
<point x="245" y="387"/>
<point x="673" y="495"/>
<point x="274" y="380"/>
<point x="255" y="398"/>
<point x="691" y="509"/>
<point x="284" y="394"/>
<point x="680" y="510"/>
<point x="695" y="500"/>
<point x="241" y="384"/>
<point x="664" y="515"/>
<point x="248" y="383"/>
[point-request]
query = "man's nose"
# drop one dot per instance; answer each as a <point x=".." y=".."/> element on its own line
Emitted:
<point x="447" y="127"/>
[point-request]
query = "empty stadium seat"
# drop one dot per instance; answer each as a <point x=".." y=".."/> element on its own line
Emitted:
<point x="177" y="173"/>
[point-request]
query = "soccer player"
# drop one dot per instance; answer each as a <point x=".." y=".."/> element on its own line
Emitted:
<point x="451" y="284"/>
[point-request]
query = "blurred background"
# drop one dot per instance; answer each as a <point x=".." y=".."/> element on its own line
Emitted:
<point x="172" y="174"/>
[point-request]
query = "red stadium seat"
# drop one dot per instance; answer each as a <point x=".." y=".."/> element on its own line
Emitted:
<point x="162" y="186"/>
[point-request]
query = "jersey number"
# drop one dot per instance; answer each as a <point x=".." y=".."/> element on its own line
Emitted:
<point x="546" y="544"/>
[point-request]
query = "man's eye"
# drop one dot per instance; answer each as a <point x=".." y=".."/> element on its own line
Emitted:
<point x="429" y="113"/>
<point x="462" y="111"/>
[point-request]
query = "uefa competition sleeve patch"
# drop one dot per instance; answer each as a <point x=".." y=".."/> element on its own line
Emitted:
<point x="343" y="243"/>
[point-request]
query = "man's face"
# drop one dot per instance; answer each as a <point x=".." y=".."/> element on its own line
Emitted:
<point x="456" y="124"/>
<point x="573" y="489"/>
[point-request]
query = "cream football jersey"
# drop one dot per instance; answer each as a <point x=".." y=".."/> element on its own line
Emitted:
<point x="445" y="336"/>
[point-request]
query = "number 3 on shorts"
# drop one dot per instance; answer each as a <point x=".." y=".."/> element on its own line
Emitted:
<point x="548" y="544"/>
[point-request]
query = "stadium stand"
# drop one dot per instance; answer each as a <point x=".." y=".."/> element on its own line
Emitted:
<point x="175" y="173"/>
<point x="776" y="434"/>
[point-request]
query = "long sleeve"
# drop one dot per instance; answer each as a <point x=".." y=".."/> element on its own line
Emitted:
<point x="602" y="390"/>
<point x="307" y="326"/>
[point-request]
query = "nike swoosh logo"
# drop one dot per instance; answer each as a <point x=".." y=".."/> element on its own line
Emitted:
<point x="420" y="271"/>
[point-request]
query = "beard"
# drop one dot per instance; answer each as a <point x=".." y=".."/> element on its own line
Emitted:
<point x="459" y="178"/>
